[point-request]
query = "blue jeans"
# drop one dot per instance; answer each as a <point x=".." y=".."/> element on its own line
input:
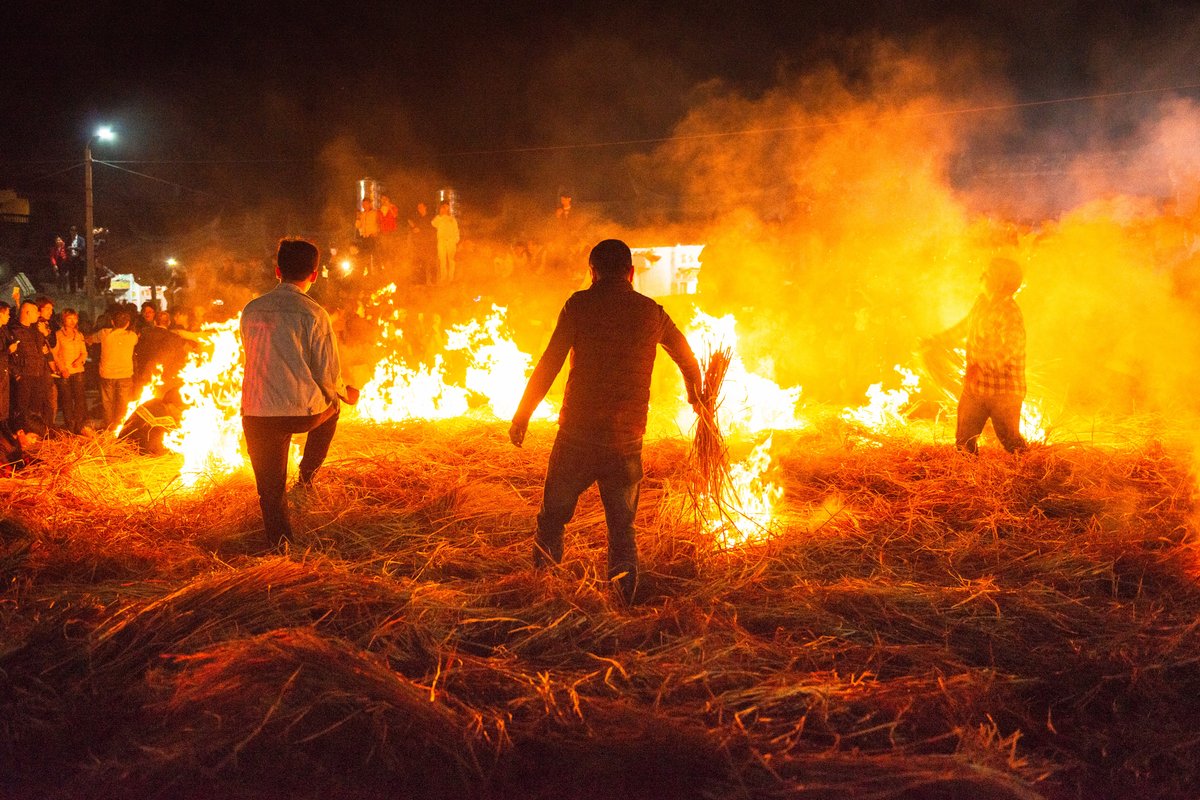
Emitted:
<point x="573" y="468"/>
<point x="115" y="396"/>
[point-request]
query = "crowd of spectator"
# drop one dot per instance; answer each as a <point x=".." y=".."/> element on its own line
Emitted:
<point x="63" y="374"/>
<point x="430" y="246"/>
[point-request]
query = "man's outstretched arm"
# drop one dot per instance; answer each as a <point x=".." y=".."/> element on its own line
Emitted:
<point x="543" y="375"/>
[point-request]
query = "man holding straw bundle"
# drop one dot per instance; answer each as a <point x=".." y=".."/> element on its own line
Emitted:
<point x="612" y="333"/>
<point x="292" y="382"/>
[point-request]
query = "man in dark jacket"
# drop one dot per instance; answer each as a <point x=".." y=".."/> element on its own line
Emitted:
<point x="157" y="346"/>
<point x="32" y="367"/>
<point x="612" y="334"/>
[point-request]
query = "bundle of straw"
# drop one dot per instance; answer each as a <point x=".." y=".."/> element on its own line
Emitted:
<point x="710" y="455"/>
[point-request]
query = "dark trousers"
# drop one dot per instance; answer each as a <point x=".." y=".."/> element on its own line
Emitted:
<point x="72" y="401"/>
<point x="76" y="273"/>
<point x="31" y="395"/>
<point x="115" y="396"/>
<point x="973" y="413"/>
<point x="573" y="468"/>
<point x="5" y="394"/>
<point x="267" y="441"/>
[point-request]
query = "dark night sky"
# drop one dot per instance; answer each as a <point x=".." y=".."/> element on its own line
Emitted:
<point x="256" y="90"/>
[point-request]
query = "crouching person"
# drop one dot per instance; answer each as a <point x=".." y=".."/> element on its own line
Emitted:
<point x="18" y="442"/>
<point x="292" y="382"/>
<point x="147" y="427"/>
<point x="612" y="333"/>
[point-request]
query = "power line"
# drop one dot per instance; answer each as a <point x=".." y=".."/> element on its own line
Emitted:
<point x="56" y="172"/>
<point x="153" y="178"/>
<point x="819" y="125"/>
<point x="218" y="161"/>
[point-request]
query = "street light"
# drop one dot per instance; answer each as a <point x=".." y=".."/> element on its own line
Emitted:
<point x="104" y="134"/>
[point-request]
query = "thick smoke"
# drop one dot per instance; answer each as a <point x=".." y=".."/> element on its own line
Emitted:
<point x="847" y="213"/>
<point x="841" y="232"/>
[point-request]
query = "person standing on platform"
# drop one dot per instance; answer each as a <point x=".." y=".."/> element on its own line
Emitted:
<point x="423" y="245"/>
<point x="76" y="260"/>
<point x="447" y="242"/>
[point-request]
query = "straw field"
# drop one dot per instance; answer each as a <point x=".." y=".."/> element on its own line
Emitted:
<point x="920" y="625"/>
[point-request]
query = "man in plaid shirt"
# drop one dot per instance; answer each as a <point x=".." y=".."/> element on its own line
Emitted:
<point x="994" y="384"/>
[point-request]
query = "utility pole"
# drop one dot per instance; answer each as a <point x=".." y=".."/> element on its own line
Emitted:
<point x="89" y="223"/>
<point x="105" y="134"/>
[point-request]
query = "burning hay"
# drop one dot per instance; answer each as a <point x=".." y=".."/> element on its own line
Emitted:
<point x="1001" y="626"/>
<point x="709" y="452"/>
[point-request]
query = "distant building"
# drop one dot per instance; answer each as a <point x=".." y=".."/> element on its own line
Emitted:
<point x="13" y="208"/>
<point x="124" y="289"/>
<point x="663" y="271"/>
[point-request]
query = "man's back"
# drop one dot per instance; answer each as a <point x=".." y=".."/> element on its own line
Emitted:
<point x="291" y="359"/>
<point x="613" y="333"/>
<point x="116" y="353"/>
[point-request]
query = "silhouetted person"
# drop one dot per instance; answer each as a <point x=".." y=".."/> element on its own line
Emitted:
<point x="994" y="382"/>
<point x="8" y="347"/>
<point x="612" y="334"/>
<point x="423" y="241"/>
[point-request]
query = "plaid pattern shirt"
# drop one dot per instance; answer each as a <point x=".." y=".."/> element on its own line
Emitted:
<point x="995" y="333"/>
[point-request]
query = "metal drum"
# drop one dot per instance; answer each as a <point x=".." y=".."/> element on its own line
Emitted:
<point x="448" y="195"/>
<point x="368" y="189"/>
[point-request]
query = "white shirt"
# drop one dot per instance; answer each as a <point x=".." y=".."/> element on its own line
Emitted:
<point x="292" y="365"/>
<point x="447" y="229"/>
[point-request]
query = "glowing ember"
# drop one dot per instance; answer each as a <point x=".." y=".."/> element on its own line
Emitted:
<point x="887" y="409"/>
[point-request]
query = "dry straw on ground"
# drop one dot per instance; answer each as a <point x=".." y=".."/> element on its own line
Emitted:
<point x="921" y="624"/>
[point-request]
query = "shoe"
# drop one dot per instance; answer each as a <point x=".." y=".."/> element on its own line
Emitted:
<point x="298" y="495"/>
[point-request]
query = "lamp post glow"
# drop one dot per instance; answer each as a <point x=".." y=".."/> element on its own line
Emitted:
<point x="104" y="134"/>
